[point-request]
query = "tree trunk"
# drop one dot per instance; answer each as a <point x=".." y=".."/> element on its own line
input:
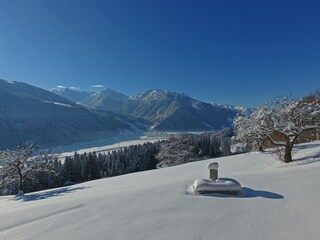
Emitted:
<point x="287" y="153"/>
<point x="20" y="184"/>
<point x="260" y="148"/>
<point x="20" y="181"/>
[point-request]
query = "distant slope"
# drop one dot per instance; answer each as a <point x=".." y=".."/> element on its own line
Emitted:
<point x="31" y="114"/>
<point x="278" y="202"/>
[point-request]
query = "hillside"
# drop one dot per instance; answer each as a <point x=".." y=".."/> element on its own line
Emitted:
<point x="279" y="201"/>
<point x="30" y="114"/>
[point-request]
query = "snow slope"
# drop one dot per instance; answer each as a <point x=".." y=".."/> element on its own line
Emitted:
<point x="278" y="202"/>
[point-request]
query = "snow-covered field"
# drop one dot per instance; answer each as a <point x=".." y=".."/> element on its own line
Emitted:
<point x="279" y="201"/>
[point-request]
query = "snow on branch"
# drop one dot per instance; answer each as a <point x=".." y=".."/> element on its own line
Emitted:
<point x="20" y="166"/>
<point x="281" y="122"/>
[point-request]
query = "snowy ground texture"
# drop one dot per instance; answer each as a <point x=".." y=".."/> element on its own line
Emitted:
<point x="279" y="201"/>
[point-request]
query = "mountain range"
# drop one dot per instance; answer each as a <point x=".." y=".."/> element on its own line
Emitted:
<point x="31" y="114"/>
<point x="64" y="116"/>
<point x="165" y="110"/>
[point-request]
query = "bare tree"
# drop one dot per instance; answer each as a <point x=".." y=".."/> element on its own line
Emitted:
<point x="20" y="166"/>
<point x="247" y="131"/>
<point x="281" y="123"/>
<point x="177" y="150"/>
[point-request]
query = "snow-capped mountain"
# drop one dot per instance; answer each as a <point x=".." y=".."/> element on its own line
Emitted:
<point x="31" y="114"/>
<point x="172" y="111"/>
<point x="165" y="110"/>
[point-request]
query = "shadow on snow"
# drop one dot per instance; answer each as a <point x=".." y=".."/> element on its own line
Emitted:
<point x="47" y="194"/>
<point x="306" y="146"/>
<point x="307" y="159"/>
<point x="251" y="193"/>
<point x="245" y="193"/>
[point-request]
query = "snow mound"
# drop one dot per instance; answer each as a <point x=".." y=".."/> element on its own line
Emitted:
<point x="222" y="185"/>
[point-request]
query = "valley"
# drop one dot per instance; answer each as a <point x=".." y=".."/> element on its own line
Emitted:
<point x="102" y="145"/>
<point x="29" y="114"/>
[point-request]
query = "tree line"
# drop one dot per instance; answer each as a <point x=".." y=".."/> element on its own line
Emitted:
<point x="91" y="166"/>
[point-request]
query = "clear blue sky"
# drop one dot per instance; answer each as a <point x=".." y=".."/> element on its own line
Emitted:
<point x="231" y="52"/>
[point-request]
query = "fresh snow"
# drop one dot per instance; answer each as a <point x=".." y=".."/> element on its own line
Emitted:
<point x="278" y="201"/>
